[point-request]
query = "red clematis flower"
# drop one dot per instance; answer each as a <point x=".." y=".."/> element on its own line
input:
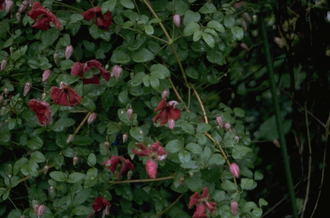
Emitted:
<point x="114" y="161"/>
<point x="203" y="203"/>
<point x="2" y="2"/>
<point x="45" y="19"/>
<point x="101" y="207"/>
<point x="168" y="113"/>
<point x="103" y="21"/>
<point x="157" y="153"/>
<point x="42" y="111"/>
<point x="65" y="95"/>
<point x="80" y="68"/>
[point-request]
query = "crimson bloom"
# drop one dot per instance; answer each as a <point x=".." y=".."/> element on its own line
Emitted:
<point x="103" y="21"/>
<point x="168" y="113"/>
<point x="203" y="203"/>
<point x="157" y="153"/>
<point x="46" y="17"/>
<point x="101" y="206"/>
<point x="42" y="111"/>
<point x="81" y="68"/>
<point x="113" y="163"/>
<point x="2" y="2"/>
<point x="65" y="95"/>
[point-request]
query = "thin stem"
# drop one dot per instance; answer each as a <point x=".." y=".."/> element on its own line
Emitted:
<point x="200" y="103"/>
<point x="29" y="176"/>
<point x="12" y="203"/>
<point x="167" y="208"/>
<point x="82" y="123"/>
<point x="162" y="40"/>
<point x="142" y="180"/>
<point x="177" y="94"/>
<point x="278" y="120"/>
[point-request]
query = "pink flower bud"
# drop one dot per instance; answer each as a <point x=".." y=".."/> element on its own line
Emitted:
<point x="18" y="16"/>
<point x="70" y="139"/>
<point x="130" y="113"/>
<point x="177" y="20"/>
<point x="75" y="160"/>
<point x="9" y="6"/>
<point x="91" y="118"/>
<point x="279" y="42"/>
<point x="116" y="71"/>
<point x="247" y="17"/>
<point x="56" y="56"/>
<point x="236" y="138"/>
<point x="129" y="174"/>
<point x="171" y="123"/>
<point x="41" y="210"/>
<point x="276" y="143"/>
<point x="244" y="46"/>
<point x="27" y="88"/>
<point x="125" y="137"/>
<point x="164" y="94"/>
<point x="234" y="207"/>
<point x="254" y="17"/>
<point x="6" y="91"/>
<point x="151" y="168"/>
<point x="173" y="103"/>
<point x="219" y="121"/>
<point x="68" y="51"/>
<point x="23" y="6"/>
<point x="46" y="75"/>
<point x="46" y="168"/>
<point x="106" y="144"/>
<point x="228" y="127"/>
<point x="234" y="170"/>
<point x="243" y="23"/>
<point x="3" y="64"/>
<point x="162" y="157"/>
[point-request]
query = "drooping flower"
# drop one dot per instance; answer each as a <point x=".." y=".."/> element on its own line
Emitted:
<point x="9" y="6"/>
<point x="46" y="17"/>
<point x="203" y="203"/>
<point x="234" y="170"/>
<point x="23" y="6"/>
<point x="103" y="21"/>
<point x="81" y="68"/>
<point x="168" y="113"/>
<point x="116" y="71"/>
<point x="42" y="110"/>
<point x="46" y="75"/>
<point x="65" y="95"/>
<point x="113" y="162"/>
<point x="101" y="207"/>
<point x="91" y="118"/>
<point x="68" y="51"/>
<point x="40" y="210"/>
<point x="27" y="88"/>
<point x="157" y="153"/>
<point x="177" y="20"/>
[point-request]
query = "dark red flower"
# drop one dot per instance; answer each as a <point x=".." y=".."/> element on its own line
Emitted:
<point x="101" y="206"/>
<point x="168" y="113"/>
<point x="103" y="21"/>
<point x="65" y="95"/>
<point x="157" y="153"/>
<point x="46" y="17"/>
<point x="203" y="203"/>
<point x="2" y="2"/>
<point x="113" y="163"/>
<point x="42" y="111"/>
<point x="80" y="69"/>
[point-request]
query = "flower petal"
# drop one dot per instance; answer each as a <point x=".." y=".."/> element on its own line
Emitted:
<point x="206" y="193"/>
<point x="174" y="113"/>
<point x="93" y="80"/>
<point x="151" y="168"/>
<point x="194" y="199"/>
<point x="142" y="151"/>
<point x="91" y="13"/>
<point x="162" y="105"/>
<point x="211" y="206"/>
<point x="158" y="149"/>
<point x="114" y="160"/>
<point x="126" y="165"/>
<point x="42" y="111"/>
<point x="200" y="211"/>
<point x="65" y="95"/>
<point x="77" y="69"/>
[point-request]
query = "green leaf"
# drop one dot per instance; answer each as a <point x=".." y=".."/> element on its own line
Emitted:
<point x="206" y="155"/>
<point x="81" y="197"/>
<point x="34" y="143"/>
<point x="248" y="184"/>
<point x="18" y="164"/>
<point x="113" y="128"/>
<point x="75" y="17"/>
<point x="138" y="78"/>
<point x="91" y="160"/>
<point x="146" y="80"/>
<point x="88" y="103"/>
<point x="127" y="4"/>
<point x="192" y="73"/>
<point x="108" y="6"/>
<point x="208" y="8"/>
<point x="38" y="157"/>
<point x="143" y="55"/>
<point x="174" y="146"/>
<point x="94" y="31"/>
<point x="82" y="140"/>
<point x="228" y="186"/>
<point x="107" y="100"/>
<point x="94" y="90"/>
<point x="208" y="39"/>
<point x="239" y="152"/>
<point x="81" y="210"/>
<point x="75" y="177"/>
<point x="194" y="183"/>
<point x="149" y="29"/>
<point x="189" y="165"/>
<point x="123" y="97"/>
<point x="216" y="159"/>
<point x="237" y="32"/>
<point x="197" y="35"/>
<point x="248" y="206"/>
<point x="194" y="148"/>
<point x="65" y="65"/>
<point x="258" y="175"/>
<point x="161" y="71"/>
<point x="229" y="21"/>
<point x="216" y="25"/>
<point x="5" y="137"/>
<point x="187" y="127"/>
<point x="203" y="127"/>
<point x="191" y="16"/>
<point x="239" y="112"/>
<point x="219" y="196"/>
<point x="154" y="82"/>
<point x="58" y="176"/>
<point x="50" y="36"/>
<point x="120" y="57"/>
<point x="62" y="124"/>
<point x="67" y="78"/>
<point x="190" y="29"/>
<point x="184" y="156"/>
<point x="18" y="53"/>
<point x="137" y="134"/>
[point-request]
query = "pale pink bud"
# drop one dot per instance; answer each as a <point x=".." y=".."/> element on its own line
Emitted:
<point x="173" y="103"/>
<point x="247" y="17"/>
<point x="46" y="75"/>
<point x="3" y="64"/>
<point x="18" y="16"/>
<point x="254" y="17"/>
<point x="276" y="143"/>
<point x="27" y="88"/>
<point x="43" y="96"/>
<point x="69" y="139"/>
<point x="177" y="20"/>
<point x="75" y="160"/>
<point x="244" y="46"/>
<point x="91" y="118"/>
<point x="35" y="208"/>
<point x="129" y="174"/>
<point x="46" y="168"/>
<point x="219" y="121"/>
<point x="236" y="138"/>
<point x="162" y="157"/>
<point x="116" y="71"/>
<point x="228" y="127"/>
<point x="164" y="94"/>
<point x="6" y="91"/>
<point x="130" y="113"/>
<point x="171" y="123"/>
<point x="9" y="6"/>
<point x="41" y="210"/>
<point x="243" y="23"/>
<point x="56" y="56"/>
<point x="23" y="6"/>
<point x="68" y="51"/>
<point x="279" y="42"/>
<point x="125" y="137"/>
<point x="234" y="170"/>
<point x="234" y="207"/>
<point x="106" y="144"/>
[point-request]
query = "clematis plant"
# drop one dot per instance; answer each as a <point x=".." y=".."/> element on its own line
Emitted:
<point x="42" y="110"/>
<point x="65" y="95"/>
<point x="101" y="207"/>
<point x="202" y="203"/>
<point x="157" y="153"/>
<point x="113" y="162"/>
<point x="168" y="113"/>
<point x="103" y="21"/>
<point x="80" y="69"/>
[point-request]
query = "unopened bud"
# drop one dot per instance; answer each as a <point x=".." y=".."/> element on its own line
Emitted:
<point x="173" y="103"/>
<point x="171" y="123"/>
<point x="236" y="138"/>
<point x="27" y="88"/>
<point x="3" y="64"/>
<point x="234" y="170"/>
<point x="129" y="174"/>
<point x="219" y="121"/>
<point x="177" y="20"/>
<point x="130" y="113"/>
<point x="244" y="46"/>
<point x="279" y="42"/>
<point x="18" y="16"/>
<point x="46" y="75"/>
<point x="91" y="118"/>
<point x="234" y="207"/>
<point x="9" y="6"/>
<point x="254" y="17"/>
<point x="191" y="174"/>
<point x="181" y="181"/>
<point x="43" y="96"/>
<point x="243" y="23"/>
<point x="247" y="17"/>
<point x="23" y="6"/>
<point x="116" y="71"/>
<point x="3" y="110"/>
<point x="1" y="98"/>
<point x="69" y="139"/>
<point x="106" y="144"/>
<point x="228" y="127"/>
<point x="9" y="175"/>
<point x="276" y="143"/>
<point x="41" y="210"/>
<point x="11" y="49"/>
<point x="46" y="168"/>
<point x="125" y="137"/>
<point x="68" y="51"/>
<point x="56" y="56"/>
<point x="255" y="33"/>
<point x="164" y="94"/>
<point x="51" y="192"/>
<point x="35" y="208"/>
<point x="75" y="160"/>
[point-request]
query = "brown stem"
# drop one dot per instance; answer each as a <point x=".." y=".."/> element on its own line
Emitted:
<point x="167" y="208"/>
<point x="82" y="123"/>
<point x="29" y="176"/>
<point x="200" y="103"/>
<point x="177" y="94"/>
<point x="142" y="180"/>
